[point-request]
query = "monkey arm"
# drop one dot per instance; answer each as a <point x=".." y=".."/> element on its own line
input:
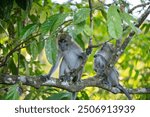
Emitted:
<point x="55" y="65"/>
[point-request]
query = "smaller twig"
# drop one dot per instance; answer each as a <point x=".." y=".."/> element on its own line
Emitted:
<point x="140" y="5"/>
<point x="98" y="45"/>
<point x="16" y="48"/>
<point x="68" y="22"/>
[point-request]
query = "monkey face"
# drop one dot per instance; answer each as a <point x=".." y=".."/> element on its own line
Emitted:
<point x="99" y="64"/>
<point x="63" y="44"/>
<point x="64" y="41"/>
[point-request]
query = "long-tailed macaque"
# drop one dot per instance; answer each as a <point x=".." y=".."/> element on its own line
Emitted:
<point x="72" y="57"/>
<point x="110" y="74"/>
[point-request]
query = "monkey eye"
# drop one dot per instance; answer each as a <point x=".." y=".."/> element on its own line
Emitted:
<point x="62" y="40"/>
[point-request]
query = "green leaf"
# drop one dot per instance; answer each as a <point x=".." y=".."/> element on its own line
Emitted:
<point x="13" y="93"/>
<point x="40" y="44"/>
<point x="34" y="49"/>
<point x="60" y="96"/>
<point x="81" y="15"/>
<point x="28" y="30"/>
<point x="22" y="60"/>
<point x="52" y="23"/>
<point x="51" y="49"/>
<point x="129" y="20"/>
<point x="12" y="66"/>
<point x="88" y="30"/>
<point x="79" y="28"/>
<point x="77" y="38"/>
<point x="114" y="22"/>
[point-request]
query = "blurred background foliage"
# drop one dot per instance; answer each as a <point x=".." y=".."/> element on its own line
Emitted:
<point x="33" y="25"/>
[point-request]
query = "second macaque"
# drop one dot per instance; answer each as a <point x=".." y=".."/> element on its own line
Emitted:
<point x="109" y="74"/>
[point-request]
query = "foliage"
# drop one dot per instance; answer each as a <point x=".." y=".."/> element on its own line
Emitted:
<point x="28" y="31"/>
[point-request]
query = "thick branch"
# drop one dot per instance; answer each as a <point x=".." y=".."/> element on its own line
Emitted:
<point x="36" y="81"/>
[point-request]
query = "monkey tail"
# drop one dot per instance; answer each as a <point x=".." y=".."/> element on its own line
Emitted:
<point x="73" y="97"/>
<point x="125" y="92"/>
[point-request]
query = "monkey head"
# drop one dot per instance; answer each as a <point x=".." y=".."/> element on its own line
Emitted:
<point x="64" y="41"/>
<point x="108" y="47"/>
<point x="106" y="51"/>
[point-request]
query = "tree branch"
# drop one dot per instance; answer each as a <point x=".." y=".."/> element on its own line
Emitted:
<point x="140" y="5"/>
<point x="89" y="49"/>
<point x="37" y="82"/>
<point x="120" y="50"/>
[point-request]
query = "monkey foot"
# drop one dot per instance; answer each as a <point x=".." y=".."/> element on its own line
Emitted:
<point x="65" y="83"/>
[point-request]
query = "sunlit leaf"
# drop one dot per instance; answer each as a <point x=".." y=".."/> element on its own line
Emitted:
<point x="114" y="22"/>
<point x="40" y="44"/>
<point x="52" y="23"/>
<point x="28" y="30"/>
<point x="129" y="19"/>
<point x="34" y="49"/>
<point x="51" y="49"/>
<point x="79" y="28"/>
<point x="81" y="15"/>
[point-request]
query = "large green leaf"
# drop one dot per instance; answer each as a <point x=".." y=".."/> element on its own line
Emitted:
<point x="51" y="49"/>
<point x="28" y="30"/>
<point x="40" y="43"/>
<point x="114" y="22"/>
<point x="81" y="15"/>
<point x="78" y="38"/>
<point x="13" y="93"/>
<point x="52" y="23"/>
<point x="129" y="20"/>
<point x="79" y="28"/>
<point x="34" y="49"/>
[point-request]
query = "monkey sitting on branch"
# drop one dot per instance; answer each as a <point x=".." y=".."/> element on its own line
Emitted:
<point x="110" y="74"/>
<point x="72" y="57"/>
